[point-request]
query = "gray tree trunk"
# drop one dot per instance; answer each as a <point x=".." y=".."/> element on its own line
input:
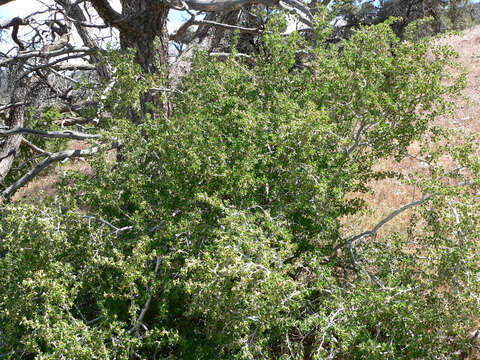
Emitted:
<point x="10" y="145"/>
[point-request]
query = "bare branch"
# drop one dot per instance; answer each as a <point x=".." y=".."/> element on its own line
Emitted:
<point x="15" y="23"/>
<point x="227" y="26"/>
<point x="40" y="53"/>
<point x="293" y="10"/>
<point x="301" y="7"/>
<point x="74" y="67"/>
<point x="222" y="5"/>
<point x="377" y="227"/>
<point x="178" y="34"/>
<point x="8" y="106"/>
<point x="35" y="147"/>
<point x="115" y="229"/>
<point x="74" y="121"/>
<point x="111" y="17"/>
<point x="10" y="146"/>
<point x="55" y="157"/>
<point x="49" y="134"/>
<point x="167" y="90"/>
<point x="139" y="320"/>
<point x="226" y="55"/>
<point x="75" y="13"/>
<point x="385" y="220"/>
<point x="50" y="64"/>
<point x="87" y="24"/>
<point x="182" y="29"/>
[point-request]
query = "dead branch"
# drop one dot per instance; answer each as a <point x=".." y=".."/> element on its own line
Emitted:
<point x="52" y="158"/>
<point x="227" y="26"/>
<point x="8" y="106"/>
<point x="75" y="14"/>
<point x="74" y="67"/>
<point x="295" y="11"/>
<point x="139" y="320"/>
<point x="40" y="53"/>
<point x="50" y="64"/>
<point x="49" y="134"/>
<point x="16" y="22"/>
<point x="35" y="147"/>
<point x="222" y="5"/>
<point x="226" y="55"/>
<point x="74" y="121"/>
<point x="10" y="146"/>
<point x="112" y="17"/>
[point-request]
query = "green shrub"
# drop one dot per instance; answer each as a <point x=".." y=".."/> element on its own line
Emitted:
<point x="218" y="234"/>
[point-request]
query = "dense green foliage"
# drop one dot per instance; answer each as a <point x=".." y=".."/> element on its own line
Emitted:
<point x="218" y="234"/>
